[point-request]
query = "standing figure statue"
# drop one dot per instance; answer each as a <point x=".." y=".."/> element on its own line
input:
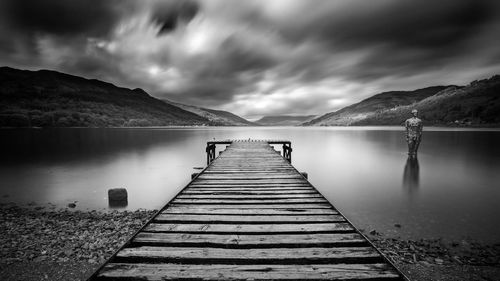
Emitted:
<point x="413" y="133"/>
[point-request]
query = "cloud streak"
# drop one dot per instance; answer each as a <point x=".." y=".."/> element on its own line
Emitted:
<point x="257" y="57"/>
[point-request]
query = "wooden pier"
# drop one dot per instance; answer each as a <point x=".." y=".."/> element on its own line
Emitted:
<point x="250" y="215"/>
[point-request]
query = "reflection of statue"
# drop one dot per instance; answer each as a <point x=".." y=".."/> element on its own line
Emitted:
<point x="413" y="133"/>
<point x="411" y="174"/>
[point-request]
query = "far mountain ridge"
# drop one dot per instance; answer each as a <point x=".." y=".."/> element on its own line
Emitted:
<point x="284" y="120"/>
<point x="223" y="118"/>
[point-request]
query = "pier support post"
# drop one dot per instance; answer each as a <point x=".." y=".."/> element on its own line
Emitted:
<point x="210" y="152"/>
<point x="287" y="152"/>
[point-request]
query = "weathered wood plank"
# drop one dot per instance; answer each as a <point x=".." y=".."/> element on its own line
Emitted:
<point x="253" y="186"/>
<point x="248" y="177"/>
<point x="211" y="171"/>
<point x="250" y="181"/>
<point x="250" y="241"/>
<point x="242" y="211"/>
<point x="251" y="256"/>
<point x="248" y="196"/>
<point x="250" y="228"/>
<point x="250" y="201"/>
<point x="276" y="219"/>
<point x="257" y="206"/>
<point x="247" y="191"/>
<point x="291" y="272"/>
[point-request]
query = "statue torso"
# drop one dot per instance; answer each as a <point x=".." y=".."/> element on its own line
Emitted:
<point x="413" y="127"/>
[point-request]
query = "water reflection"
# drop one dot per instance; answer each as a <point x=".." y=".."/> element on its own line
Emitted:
<point x="411" y="174"/>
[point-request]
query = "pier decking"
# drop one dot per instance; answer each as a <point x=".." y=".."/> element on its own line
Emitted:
<point x="250" y="215"/>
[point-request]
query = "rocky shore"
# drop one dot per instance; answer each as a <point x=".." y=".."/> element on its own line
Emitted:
<point x="44" y="236"/>
<point x="40" y="243"/>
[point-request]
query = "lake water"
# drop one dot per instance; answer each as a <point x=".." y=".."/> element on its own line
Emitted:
<point x="452" y="191"/>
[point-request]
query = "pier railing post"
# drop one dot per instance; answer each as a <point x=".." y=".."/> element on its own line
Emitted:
<point x="210" y="152"/>
<point x="287" y="151"/>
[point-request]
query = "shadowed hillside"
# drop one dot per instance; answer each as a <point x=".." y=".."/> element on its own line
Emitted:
<point x="354" y="113"/>
<point x="477" y="104"/>
<point x="51" y="99"/>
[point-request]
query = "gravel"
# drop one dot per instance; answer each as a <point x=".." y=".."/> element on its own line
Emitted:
<point x="38" y="235"/>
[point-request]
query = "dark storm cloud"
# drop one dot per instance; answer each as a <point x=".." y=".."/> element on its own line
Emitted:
<point x="62" y="17"/>
<point x="169" y="13"/>
<point x="67" y="24"/>
<point x="407" y="36"/>
<point x="402" y="23"/>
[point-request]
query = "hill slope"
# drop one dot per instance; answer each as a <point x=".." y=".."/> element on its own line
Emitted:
<point x="359" y="111"/>
<point x="283" y="120"/>
<point x="51" y="99"/>
<point x="219" y="117"/>
<point x="477" y="104"/>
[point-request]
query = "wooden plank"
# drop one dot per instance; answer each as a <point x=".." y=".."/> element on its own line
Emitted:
<point x="252" y="186"/>
<point x="250" y="256"/>
<point x="258" y="206"/>
<point x="276" y="219"/>
<point x="269" y="176"/>
<point x="291" y="272"/>
<point x="250" y="201"/>
<point x="250" y="241"/>
<point x="241" y="211"/>
<point x="211" y="171"/>
<point x="251" y="181"/>
<point x="251" y="228"/>
<point x="248" y="196"/>
<point x="247" y="191"/>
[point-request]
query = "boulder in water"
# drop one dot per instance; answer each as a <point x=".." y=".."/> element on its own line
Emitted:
<point x="117" y="195"/>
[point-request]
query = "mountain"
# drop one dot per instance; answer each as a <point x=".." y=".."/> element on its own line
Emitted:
<point x="219" y="117"/>
<point x="283" y="120"/>
<point x="52" y="99"/>
<point x="354" y="113"/>
<point x="477" y="104"/>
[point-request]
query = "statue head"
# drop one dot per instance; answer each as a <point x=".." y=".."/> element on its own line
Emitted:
<point x="414" y="112"/>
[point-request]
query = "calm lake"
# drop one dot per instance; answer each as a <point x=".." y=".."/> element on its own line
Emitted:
<point x="452" y="191"/>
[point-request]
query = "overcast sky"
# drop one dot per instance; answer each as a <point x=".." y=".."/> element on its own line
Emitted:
<point x="257" y="57"/>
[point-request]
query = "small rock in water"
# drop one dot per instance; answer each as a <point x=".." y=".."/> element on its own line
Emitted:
<point x="117" y="194"/>
<point x="397" y="225"/>
<point x="374" y="232"/>
<point x="72" y="205"/>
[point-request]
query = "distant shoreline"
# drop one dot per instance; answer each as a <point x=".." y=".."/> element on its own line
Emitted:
<point x="428" y="127"/>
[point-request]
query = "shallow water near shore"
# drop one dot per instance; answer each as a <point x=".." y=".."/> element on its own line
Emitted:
<point x="451" y="191"/>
